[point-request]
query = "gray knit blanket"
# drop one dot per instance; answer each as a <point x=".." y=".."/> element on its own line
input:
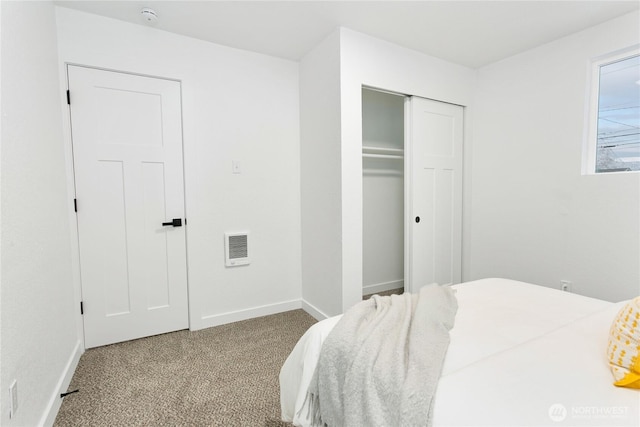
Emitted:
<point x="381" y="363"/>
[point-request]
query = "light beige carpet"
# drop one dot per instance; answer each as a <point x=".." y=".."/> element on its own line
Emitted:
<point x="221" y="376"/>
<point x="385" y="293"/>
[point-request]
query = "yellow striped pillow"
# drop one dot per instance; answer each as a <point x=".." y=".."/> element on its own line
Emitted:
<point x="624" y="346"/>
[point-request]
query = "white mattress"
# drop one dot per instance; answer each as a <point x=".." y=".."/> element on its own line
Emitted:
<point x="517" y="352"/>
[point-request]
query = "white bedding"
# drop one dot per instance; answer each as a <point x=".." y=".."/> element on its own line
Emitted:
<point x="520" y="354"/>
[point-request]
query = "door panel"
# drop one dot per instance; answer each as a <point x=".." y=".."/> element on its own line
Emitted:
<point x="436" y="134"/>
<point x="113" y="237"/>
<point x="138" y="120"/>
<point x="156" y="245"/>
<point x="127" y="142"/>
<point x="445" y="261"/>
<point x="422" y="246"/>
<point x="433" y="157"/>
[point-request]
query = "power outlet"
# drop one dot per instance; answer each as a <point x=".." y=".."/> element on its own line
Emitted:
<point x="565" y="285"/>
<point x="13" y="398"/>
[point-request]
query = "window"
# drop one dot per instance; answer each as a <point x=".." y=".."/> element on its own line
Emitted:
<point x="614" y="131"/>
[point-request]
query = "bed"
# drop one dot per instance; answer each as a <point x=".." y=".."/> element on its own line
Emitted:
<point x="519" y="354"/>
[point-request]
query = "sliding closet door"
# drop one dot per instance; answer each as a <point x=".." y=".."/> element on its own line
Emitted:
<point x="433" y="163"/>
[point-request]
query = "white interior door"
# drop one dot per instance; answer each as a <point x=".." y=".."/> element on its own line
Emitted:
<point x="433" y="163"/>
<point x="127" y="147"/>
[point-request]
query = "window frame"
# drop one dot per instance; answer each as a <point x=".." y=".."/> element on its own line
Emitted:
<point x="591" y="141"/>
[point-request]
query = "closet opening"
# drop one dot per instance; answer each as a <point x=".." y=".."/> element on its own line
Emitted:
<point x="383" y="192"/>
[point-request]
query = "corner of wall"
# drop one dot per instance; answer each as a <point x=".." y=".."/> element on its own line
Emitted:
<point x="320" y="176"/>
<point x="314" y="311"/>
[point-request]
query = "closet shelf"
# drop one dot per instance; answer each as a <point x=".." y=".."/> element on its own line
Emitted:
<point x="382" y="152"/>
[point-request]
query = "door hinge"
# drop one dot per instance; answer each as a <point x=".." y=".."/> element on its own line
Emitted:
<point x="81" y="307"/>
<point x="75" y="205"/>
<point x="68" y="98"/>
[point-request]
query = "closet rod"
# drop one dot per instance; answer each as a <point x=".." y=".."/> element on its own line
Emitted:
<point x="373" y="150"/>
<point x="383" y="156"/>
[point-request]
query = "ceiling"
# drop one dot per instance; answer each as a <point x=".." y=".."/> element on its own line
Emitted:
<point x="470" y="33"/>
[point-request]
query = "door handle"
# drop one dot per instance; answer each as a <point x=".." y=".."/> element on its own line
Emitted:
<point x="176" y="222"/>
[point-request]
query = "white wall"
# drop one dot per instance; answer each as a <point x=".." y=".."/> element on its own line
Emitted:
<point x="237" y="105"/>
<point x="382" y="194"/>
<point x="321" y="178"/>
<point x="368" y="61"/>
<point x="535" y="217"/>
<point x="40" y="345"/>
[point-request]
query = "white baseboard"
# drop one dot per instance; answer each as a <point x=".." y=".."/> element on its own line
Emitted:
<point x="250" y="313"/>
<point x="51" y="411"/>
<point x="382" y="287"/>
<point x="315" y="312"/>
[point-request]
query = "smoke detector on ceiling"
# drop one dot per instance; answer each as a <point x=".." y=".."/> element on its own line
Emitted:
<point x="149" y="15"/>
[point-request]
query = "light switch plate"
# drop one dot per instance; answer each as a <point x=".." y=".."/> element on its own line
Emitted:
<point x="236" y="167"/>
